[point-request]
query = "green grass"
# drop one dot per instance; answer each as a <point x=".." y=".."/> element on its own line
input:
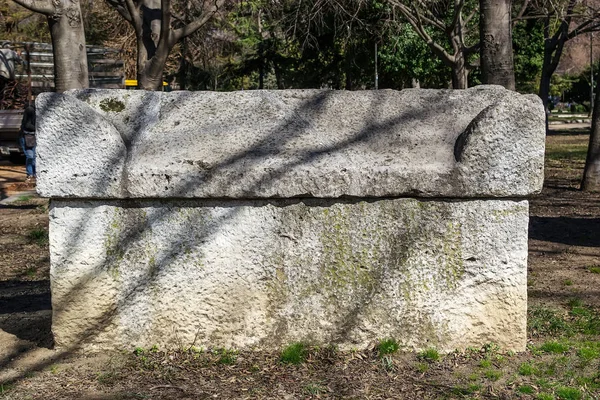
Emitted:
<point x="545" y="396"/>
<point x="526" y="369"/>
<point x="485" y="363"/>
<point x="595" y="269"/>
<point x="295" y="353"/>
<point x="554" y="347"/>
<point x="526" y="389"/>
<point x="568" y="393"/>
<point x="24" y="198"/>
<point x="568" y="282"/>
<point x="422" y="367"/>
<point x="493" y="374"/>
<point x="429" y="355"/>
<point x="387" y="346"/>
<point x="226" y="357"/>
<point x="588" y="354"/>
<point x="39" y="236"/>
<point x="571" y="152"/>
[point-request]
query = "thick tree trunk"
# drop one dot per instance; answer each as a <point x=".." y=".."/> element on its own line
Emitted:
<point x="591" y="173"/>
<point x="149" y="67"/>
<point x="497" y="65"/>
<point x="68" y="44"/>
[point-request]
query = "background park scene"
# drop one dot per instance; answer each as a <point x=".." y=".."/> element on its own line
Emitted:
<point x="542" y="48"/>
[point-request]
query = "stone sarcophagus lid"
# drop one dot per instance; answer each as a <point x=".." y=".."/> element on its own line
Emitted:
<point x="260" y="218"/>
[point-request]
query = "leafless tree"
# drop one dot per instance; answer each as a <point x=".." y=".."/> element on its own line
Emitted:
<point x="158" y="27"/>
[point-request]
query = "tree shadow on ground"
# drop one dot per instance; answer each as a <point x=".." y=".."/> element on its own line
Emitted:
<point x="566" y="230"/>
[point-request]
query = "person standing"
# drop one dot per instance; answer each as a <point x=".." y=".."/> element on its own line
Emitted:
<point x="27" y="140"/>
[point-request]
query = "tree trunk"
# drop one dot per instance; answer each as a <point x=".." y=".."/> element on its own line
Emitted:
<point x="591" y="173"/>
<point x="68" y="46"/>
<point x="149" y="69"/>
<point x="497" y="65"/>
<point x="459" y="73"/>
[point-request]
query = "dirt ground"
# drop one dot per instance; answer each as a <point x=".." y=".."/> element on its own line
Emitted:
<point x="564" y="263"/>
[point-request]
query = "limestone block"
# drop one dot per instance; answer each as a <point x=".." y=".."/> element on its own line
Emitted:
<point x="481" y="142"/>
<point x="264" y="273"/>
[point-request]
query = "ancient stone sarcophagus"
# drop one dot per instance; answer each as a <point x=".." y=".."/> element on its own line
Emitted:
<point x="255" y="219"/>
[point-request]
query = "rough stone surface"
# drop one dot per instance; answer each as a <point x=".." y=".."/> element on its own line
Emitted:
<point x="296" y="143"/>
<point x="265" y="273"/>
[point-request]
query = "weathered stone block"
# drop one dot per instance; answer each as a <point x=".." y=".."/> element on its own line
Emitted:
<point x="296" y="143"/>
<point x="256" y="219"/>
<point x="267" y="273"/>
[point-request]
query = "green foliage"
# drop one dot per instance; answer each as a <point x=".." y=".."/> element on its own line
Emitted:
<point x="545" y="396"/>
<point x="493" y="374"/>
<point x="588" y="353"/>
<point x="595" y="269"/>
<point x="387" y="346"/>
<point x="404" y="56"/>
<point x="526" y="389"/>
<point x="544" y="321"/>
<point x="39" y="236"/>
<point x="528" y="46"/>
<point x="295" y="353"/>
<point x="226" y="356"/>
<point x="526" y="369"/>
<point x="568" y="393"/>
<point x="429" y="355"/>
<point x="554" y="347"/>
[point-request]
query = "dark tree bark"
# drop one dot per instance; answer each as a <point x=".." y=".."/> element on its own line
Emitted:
<point x="497" y="66"/>
<point x="68" y="41"/>
<point x="591" y="173"/>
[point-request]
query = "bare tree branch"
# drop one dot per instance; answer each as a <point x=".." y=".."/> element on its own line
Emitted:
<point x="193" y="26"/>
<point x="41" y="6"/>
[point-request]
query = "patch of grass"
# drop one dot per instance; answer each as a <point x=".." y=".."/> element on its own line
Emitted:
<point x="545" y="396"/>
<point x="429" y="355"/>
<point x="594" y="269"/>
<point x="575" y="302"/>
<point x="526" y="389"/>
<point x="387" y="362"/>
<point x="485" y="363"/>
<point x="546" y="322"/>
<point x="24" y="198"/>
<point x="422" y="367"/>
<point x="554" y="347"/>
<point x="387" y="346"/>
<point x="568" y="393"/>
<point x="5" y="387"/>
<point x="568" y="282"/>
<point x="39" y="236"/>
<point x="314" y="389"/>
<point x="295" y="353"/>
<point x="588" y="353"/>
<point x="138" y="351"/>
<point x="493" y="374"/>
<point x="226" y="357"/>
<point x="466" y="391"/>
<point x="526" y="369"/>
<point x="107" y="378"/>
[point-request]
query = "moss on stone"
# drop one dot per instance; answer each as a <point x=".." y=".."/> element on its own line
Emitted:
<point x="112" y="105"/>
